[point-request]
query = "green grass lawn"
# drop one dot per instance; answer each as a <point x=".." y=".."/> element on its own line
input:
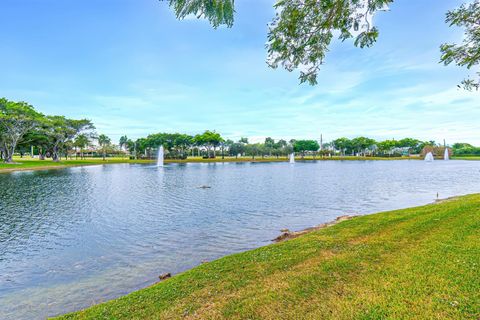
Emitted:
<point x="466" y="158"/>
<point x="418" y="263"/>
<point x="35" y="164"/>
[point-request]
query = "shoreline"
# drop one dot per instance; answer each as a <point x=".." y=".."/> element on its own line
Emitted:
<point x="438" y="215"/>
<point x="49" y="165"/>
<point x="26" y="165"/>
<point x="52" y="167"/>
<point x="287" y="234"/>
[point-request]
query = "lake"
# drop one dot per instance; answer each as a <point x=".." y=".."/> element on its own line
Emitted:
<point x="73" y="237"/>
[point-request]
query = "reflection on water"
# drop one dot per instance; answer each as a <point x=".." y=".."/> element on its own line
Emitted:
<point x="73" y="237"/>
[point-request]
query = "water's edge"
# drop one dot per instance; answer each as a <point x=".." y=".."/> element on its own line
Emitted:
<point x="285" y="235"/>
<point x="43" y="167"/>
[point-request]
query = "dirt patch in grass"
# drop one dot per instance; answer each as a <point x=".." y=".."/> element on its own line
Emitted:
<point x="287" y="234"/>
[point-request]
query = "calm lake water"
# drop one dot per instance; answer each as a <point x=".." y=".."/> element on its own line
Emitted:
<point x="70" y="238"/>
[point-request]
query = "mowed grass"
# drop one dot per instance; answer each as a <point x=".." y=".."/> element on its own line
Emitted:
<point x="35" y="164"/>
<point x="27" y="163"/>
<point x="466" y="158"/>
<point x="418" y="263"/>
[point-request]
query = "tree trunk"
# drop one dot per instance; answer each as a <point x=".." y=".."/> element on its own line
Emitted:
<point x="55" y="154"/>
<point x="41" y="155"/>
<point x="9" y="154"/>
<point x="9" y="150"/>
<point x="8" y="158"/>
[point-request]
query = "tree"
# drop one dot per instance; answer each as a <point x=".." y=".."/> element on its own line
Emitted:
<point x="218" y="12"/>
<point x="465" y="149"/>
<point x="122" y="143"/>
<point x="131" y="147"/>
<point x="343" y="145"/>
<point x="227" y="144"/>
<point x="181" y="143"/>
<point x="302" y="31"/>
<point x="411" y="144"/>
<point x="16" y="120"/>
<point x="60" y="130"/>
<point x="460" y="145"/>
<point x="361" y="144"/>
<point x="38" y="137"/>
<point x="252" y="149"/>
<point x="468" y="53"/>
<point x="281" y="147"/>
<point x="209" y="139"/>
<point x="236" y="149"/>
<point x="305" y="145"/>
<point x="81" y="141"/>
<point x="269" y="146"/>
<point x="269" y="142"/>
<point x="104" y="142"/>
<point x="243" y="140"/>
<point x="140" y="146"/>
<point x="387" y="146"/>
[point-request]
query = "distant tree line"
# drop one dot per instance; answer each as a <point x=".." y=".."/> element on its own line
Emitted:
<point x="23" y="129"/>
<point x="208" y="144"/>
<point x="465" y="149"/>
<point x="211" y="144"/>
<point x="367" y="146"/>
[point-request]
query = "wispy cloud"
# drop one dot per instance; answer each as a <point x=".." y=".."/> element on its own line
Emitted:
<point x="153" y="73"/>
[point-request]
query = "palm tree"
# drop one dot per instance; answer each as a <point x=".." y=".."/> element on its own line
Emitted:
<point x="123" y="144"/>
<point x="104" y="141"/>
<point x="81" y="141"/>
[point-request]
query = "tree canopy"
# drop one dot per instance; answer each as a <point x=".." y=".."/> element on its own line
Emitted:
<point x="16" y="119"/>
<point x="218" y="12"/>
<point x="21" y="124"/>
<point x="468" y="53"/>
<point x="301" y="31"/>
<point x="305" y="145"/>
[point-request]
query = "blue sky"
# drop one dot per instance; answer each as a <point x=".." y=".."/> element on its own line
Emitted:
<point x="133" y="69"/>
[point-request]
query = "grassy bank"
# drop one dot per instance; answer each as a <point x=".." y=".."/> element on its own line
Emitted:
<point x="280" y="159"/>
<point x="418" y="263"/>
<point x="35" y="164"/>
<point x="466" y="158"/>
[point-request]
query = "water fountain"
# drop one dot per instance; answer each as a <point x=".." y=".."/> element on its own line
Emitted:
<point x="446" y="155"/>
<point x="429" y="157"/>
<point x="160" y="157"/>
<point x="292" y="157"/>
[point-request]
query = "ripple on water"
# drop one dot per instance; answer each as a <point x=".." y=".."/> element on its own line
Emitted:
<point x="70" y="238"/>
